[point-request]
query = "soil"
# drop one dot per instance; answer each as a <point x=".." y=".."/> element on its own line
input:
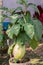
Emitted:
<point x="4" y="59"/>
<point x="22" y="61"/>
<point x="3" y="50"/>
<point x="36" y="56"/>
<point x="39" y="50"/>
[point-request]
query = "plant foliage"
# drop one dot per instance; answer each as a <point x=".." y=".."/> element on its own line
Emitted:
<point x="23" y="26"/>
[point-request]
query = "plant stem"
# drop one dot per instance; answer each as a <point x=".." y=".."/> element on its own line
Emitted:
<point x="24" y="18"/>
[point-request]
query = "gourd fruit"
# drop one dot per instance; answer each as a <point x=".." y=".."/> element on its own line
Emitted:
<point x="19" y="51"/>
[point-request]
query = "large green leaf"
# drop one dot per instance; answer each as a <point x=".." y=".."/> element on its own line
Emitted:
<point x="33" y="43"/>
<point x="14" y="18"/>
<point x="34" y="6"/>
<point x="23" y="37"/>
<point x="38" y="28"/>
<point x="22" y="2"/>
<point x="29" y="29"/>
<point x="14" y="30"/>
<point x="9" y="32"/>
<point x="21" y="21"/>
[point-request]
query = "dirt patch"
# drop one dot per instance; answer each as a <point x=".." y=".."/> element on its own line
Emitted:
<point x="39" y="50"/>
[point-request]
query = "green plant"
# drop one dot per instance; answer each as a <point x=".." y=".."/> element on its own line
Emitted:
<point x="23" y="29"/>
<point x="2" y="36"/>
<point x="3" y="16"/>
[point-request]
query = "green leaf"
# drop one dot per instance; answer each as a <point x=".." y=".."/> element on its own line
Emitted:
<point x="4" y="9"/>
<point x="1" y="27"/>
<point x="38" y="28"/>
<point x="22" y="2"/>
<point x="11" y="10"/>
<point x="34" y="6"/>
<point x="28" y="16"/>
<point x="7" y="9"/>
<point x="10" y="50"/>
<point x="14" y="30"/>
<point x="29" y="29"/>
<point x="14" y="18"/>
<point x="33" y="43"/>
<point x="23" y="37"/>
<point x="18" y="8"/>
<point x="2" y="17"/>
<point x="1" y="37"/>
<point x="9" y="32"/>
<point x="1" y="44"/>
<point x="21" y="21"/>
